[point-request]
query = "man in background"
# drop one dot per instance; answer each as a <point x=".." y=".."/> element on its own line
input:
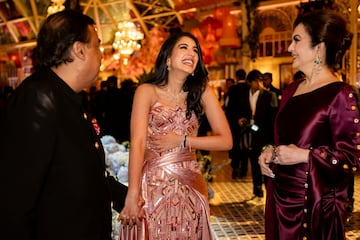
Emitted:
<point x="229" y="82"/>
<point x="267" y="83"/>
<point x="232" y="103"/>
<point x="255" y="119"/>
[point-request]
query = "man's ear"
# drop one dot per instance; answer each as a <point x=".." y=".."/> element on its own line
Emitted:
<point x="79" y="50"/>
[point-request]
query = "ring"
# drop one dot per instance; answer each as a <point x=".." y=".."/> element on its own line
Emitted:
<point x="276" y="160"/>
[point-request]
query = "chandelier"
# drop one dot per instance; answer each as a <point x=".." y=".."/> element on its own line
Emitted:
<point x="55" y="6"/>
<point x="128" y="36"/>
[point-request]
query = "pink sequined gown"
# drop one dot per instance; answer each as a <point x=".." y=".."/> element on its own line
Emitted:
<point x="173" y="187"/>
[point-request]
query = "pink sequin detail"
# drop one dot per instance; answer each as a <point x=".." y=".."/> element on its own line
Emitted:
<point x="174" y="190"/>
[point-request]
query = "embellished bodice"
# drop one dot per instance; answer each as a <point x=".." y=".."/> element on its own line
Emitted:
<point x="165" y="118"/>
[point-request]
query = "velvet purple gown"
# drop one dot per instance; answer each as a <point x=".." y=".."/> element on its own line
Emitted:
<point x="307" y="201"/>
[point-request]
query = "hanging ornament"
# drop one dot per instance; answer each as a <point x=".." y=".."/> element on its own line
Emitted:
<point x="213" y="23"/>
<point x="229" y="36"/>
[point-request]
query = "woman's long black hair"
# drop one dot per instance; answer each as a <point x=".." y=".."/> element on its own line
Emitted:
<point x="195" y="84"/>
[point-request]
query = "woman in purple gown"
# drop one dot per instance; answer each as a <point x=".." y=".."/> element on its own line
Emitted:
<point x="317" y="137"/>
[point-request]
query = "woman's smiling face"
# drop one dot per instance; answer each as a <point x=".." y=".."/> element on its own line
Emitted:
<point x="301" y="50"/>
<point x="185" y="55"/>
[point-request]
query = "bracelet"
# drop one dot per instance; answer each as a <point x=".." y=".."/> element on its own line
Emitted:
<point x="273" y="149"/>
<point x="183" y="142"/>
<point x="268" y="146"/>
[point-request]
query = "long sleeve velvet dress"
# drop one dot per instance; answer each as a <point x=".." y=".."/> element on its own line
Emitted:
<point x="307" y="200"/>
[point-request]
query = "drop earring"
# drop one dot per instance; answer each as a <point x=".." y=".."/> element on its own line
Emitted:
<point x="318" y="60"/>
<point x="168" y="68"/>
<point x="193" y="74"/>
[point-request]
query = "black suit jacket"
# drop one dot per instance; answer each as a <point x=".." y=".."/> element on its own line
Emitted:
<point x="278" y="94"/>
<point x="263" y="118"/>
<point x="52" y="175"/>
<point x="235" y="95"/>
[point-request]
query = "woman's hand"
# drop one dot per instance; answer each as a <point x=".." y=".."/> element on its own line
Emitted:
<point x="132" y="212"/>
<point x="291" y="154"/>
<point x="165" y="141"/>
<point x="266" y="157"/>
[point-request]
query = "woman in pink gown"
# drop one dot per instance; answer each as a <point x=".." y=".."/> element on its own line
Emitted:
<point x="317" y="137"/>
<point x="167" y="192"/>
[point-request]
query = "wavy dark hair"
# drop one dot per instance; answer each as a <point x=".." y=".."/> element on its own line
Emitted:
<point x="57" y="35"/>
<point x="195" y="84"/>
<point x="254" y="75"/>
<point x="328" y="27"/>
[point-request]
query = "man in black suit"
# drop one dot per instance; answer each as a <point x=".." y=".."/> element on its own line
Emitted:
<point x="231" y="105"/>
<point x="267" y="83"/>
<point x="255" y="119"/>
<point x="52" y="177"/>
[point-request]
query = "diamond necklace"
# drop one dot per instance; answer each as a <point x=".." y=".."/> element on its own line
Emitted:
<point x="174" y="97"/>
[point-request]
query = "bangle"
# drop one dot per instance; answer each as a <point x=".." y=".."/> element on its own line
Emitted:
<point x="268" y="146"/>
<point x="183" y="142"/>
<point x="273" y="149"/>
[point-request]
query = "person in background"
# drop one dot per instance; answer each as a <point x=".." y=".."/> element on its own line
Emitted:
<point x="99" y="104"/>
<point x="112" y="109"/>
<point x="126" y="96"/>
<point x="317" y="138"/>
<point x="232" y="103"/>
<point x="52" y="177"/>
<point x="267" y="83"/>
<point x="166" y="187"/>
<point x="255" y="120"/>
<point x="229" y="82"/>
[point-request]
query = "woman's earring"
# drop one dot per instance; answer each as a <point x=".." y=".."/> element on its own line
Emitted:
<point x="193" y="74"/>
<point x="318" y="60"/>
<point x="168" y="68"/>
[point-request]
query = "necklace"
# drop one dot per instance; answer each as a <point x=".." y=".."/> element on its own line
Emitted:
<point x="176" y="97"/>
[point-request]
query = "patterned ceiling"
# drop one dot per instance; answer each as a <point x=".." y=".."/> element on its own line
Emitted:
<point x="20" y="20"/>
